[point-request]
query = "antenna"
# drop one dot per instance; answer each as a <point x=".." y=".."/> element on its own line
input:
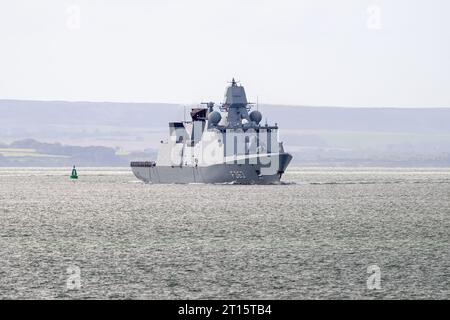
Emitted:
<point x="234" y="83"/>
<point x="184" y="113"/>
<point x="257" y="103"/>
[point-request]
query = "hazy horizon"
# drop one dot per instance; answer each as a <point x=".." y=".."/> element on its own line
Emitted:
<point x="191" y="104"/>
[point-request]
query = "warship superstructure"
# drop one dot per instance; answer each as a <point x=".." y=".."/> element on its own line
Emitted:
<point x="228" y="145"/>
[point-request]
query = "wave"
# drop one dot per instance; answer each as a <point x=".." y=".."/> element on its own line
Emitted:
<point x="379" y="182"/>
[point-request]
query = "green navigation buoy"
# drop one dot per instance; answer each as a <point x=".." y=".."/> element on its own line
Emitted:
<point x="74" y="173"/>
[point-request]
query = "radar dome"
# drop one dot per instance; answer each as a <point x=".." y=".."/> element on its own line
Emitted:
<point x="214" y="118"/>
<point x="256" y="116"/>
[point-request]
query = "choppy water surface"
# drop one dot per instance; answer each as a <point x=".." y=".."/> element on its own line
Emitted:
<point x="313" y="237"/>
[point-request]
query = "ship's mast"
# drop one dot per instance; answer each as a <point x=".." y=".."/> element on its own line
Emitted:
<point x="236" y="104"/>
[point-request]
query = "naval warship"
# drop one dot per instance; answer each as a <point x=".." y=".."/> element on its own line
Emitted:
<point x="226" y="145"/>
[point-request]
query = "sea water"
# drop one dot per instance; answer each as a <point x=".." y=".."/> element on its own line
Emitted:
<point x="326" y="233"/>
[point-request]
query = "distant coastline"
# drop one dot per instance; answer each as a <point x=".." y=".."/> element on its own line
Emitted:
<point x="58" y="133"/>
<point x="32" y="153"/>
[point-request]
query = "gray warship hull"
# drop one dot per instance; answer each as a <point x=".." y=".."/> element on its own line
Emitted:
<point x="232" y="173"/>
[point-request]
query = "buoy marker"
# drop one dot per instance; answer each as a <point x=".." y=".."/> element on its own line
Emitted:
<point x="74" y="175"/>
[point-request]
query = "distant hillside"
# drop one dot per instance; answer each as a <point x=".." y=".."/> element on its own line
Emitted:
<point x="116" y="125"/>
<point x="315" y="135"/>
<point x="33" y="153"/>
<point x="415" y="121"/>
<point x="157" y="115"/>
<point x="40" y="113"/>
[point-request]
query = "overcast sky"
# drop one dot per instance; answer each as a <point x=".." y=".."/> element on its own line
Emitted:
<point x="305" y="52"/>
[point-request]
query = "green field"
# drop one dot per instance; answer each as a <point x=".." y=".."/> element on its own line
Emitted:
<point x="19" y="152"/>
